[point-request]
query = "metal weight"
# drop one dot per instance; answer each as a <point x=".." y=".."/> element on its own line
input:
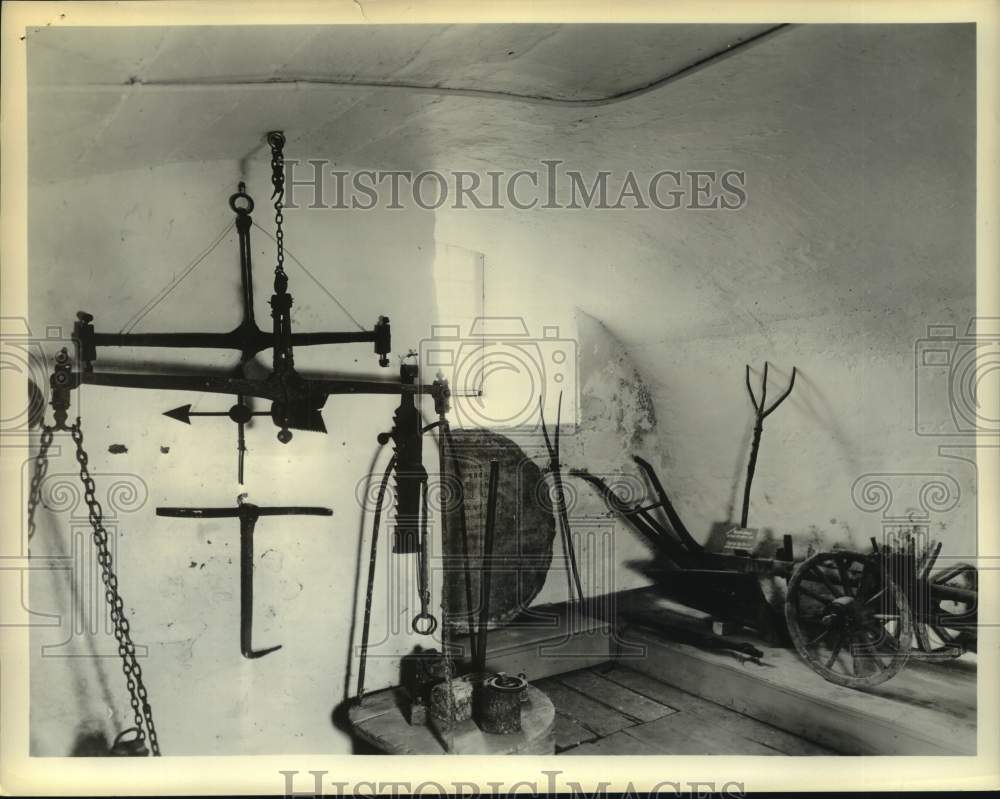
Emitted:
<point x="129" y="743"/>
<point x="421" y="671"/>
<point x="500" y="703"/>
<point x="451" y="702"/>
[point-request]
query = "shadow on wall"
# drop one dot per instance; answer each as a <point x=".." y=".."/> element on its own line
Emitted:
<point x="810" y="402"/>
<point x="95" y="707"/>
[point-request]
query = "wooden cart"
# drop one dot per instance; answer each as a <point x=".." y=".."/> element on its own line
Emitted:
<point x="853" y="617"/>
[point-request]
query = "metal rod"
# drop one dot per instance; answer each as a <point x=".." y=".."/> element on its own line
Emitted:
<point x="253" y="339"/>
<point x="231" y="340"/>
<point x="234" y="513"/>
<point x="241" y="442"/>
<point x="220" y="384"/>
<point x="370" y="588"/>
<point x="562" y="516"/>
<point x="247" y="524"/>
<point x="248" y="514"/>
<point x="485" y="579"/>
<point x="463" y="533"/>
<point x="243" y="224"/>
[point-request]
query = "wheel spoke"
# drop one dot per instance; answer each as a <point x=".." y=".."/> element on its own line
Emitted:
<point x="871" y="651"/>
<point x="813" y="595"/>
<point x="886" y="638"/>
<point x="843" y="576"/>
<point x="819" y="637"/>
<point x="836" y="651"/>
<point x="848" y="619"/>
<point x="875" y="596"/>
<point x="818" y="569"/>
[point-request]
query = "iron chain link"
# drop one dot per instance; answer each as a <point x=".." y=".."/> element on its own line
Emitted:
<point x="138" y="696"/>
<point x="278" y="181"/>
<point x="38" y="477"/>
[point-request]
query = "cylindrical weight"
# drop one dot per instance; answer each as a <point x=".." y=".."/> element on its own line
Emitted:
<point x="500" y="704"/>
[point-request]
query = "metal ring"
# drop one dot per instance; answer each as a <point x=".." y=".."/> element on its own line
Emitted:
<point x="432" y="623"/>
<point x="507" y="682"/>
<point x="241" y="195"/>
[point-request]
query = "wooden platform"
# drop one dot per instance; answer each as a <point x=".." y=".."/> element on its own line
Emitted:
<point x="550" y="639"/>
<point x="926" y="709"/>
<point x="614" y="710"/>
<point x="680" y="699"/>
<point x="381" y="722"/>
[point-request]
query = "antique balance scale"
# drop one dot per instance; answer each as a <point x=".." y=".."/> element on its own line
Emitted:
<point x="296" y="403"/>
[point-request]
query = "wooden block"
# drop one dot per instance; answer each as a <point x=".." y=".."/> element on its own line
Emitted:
<point x="725" y="627"/>
<point x="451" y="701"/>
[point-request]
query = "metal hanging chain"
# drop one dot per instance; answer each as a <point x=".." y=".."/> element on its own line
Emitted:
<point x="62" y="384"/>
<point x="41" y="469"/>
<point x="276" y="140"/>
<point x="139" y="698"/>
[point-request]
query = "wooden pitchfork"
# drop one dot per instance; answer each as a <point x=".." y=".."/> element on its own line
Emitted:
<point x="761" y="413"/>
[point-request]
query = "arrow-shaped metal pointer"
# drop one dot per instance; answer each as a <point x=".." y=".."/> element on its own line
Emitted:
<point x="240" y="414"/>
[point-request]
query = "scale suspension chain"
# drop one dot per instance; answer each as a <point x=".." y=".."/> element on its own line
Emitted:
<point x="38" y="477"/>
<point x="139" y="699"/>
<point x="276" y="140"/>
<point x="144" y="728"/>
<point x="281" y="300"/>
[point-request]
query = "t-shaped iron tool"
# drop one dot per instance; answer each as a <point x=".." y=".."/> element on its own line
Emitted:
<point x="248" y="514"/>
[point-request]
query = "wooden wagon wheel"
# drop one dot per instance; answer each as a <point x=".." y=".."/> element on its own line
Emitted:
<point x="950" y="642"/>
<point x="849" y="622"/>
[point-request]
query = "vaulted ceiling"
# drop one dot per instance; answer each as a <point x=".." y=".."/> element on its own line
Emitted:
<point x="116" y="98"/>
<point x="847" y="134"/>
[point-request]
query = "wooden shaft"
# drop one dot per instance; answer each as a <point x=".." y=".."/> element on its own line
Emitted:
<point x="486" y="576"/>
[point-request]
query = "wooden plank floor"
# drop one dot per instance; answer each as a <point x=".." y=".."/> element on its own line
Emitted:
<point x="926" y="709"/>
<point x="613" y="710"/>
